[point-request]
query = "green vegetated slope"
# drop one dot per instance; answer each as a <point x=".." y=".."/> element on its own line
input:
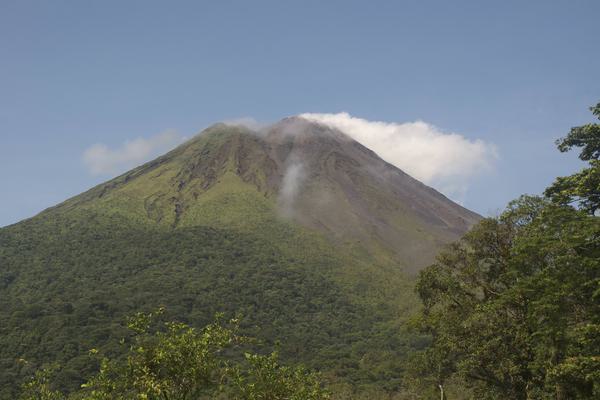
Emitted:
<point x="201" y="230"/>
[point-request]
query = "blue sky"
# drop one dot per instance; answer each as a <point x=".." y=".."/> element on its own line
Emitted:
<point x="74" y="74"/>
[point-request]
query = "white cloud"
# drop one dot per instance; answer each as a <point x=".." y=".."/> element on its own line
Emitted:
<point x="102" y="160"/>
<point x="447" y="161"/>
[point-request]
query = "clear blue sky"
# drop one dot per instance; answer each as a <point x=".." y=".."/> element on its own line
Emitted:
<point x="74" y="73"/>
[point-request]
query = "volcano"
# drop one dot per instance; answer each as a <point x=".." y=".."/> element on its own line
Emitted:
<point x="307" y="235"/>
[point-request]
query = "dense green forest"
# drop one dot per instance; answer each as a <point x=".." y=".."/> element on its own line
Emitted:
<point x="196" y="273"/>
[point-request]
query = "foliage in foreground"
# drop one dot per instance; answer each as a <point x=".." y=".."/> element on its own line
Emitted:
<point x="514" y="307"/>
<point x="178" y="362"/>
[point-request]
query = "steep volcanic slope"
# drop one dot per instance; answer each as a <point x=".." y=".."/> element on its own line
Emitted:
<point x="313" y="174"/>
<point x="347" y="191"/>
<point x="303" y="231"/>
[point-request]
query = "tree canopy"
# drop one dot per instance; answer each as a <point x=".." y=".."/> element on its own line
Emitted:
<point x="177" y="362"/>
<point x="582" y="187"/>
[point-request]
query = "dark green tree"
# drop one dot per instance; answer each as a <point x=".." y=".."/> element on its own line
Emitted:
<point x="513" y="308"/>
<point x="583" y="187"/>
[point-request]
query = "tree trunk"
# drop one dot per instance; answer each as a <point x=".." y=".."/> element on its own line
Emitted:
<point x="560" y="392"/>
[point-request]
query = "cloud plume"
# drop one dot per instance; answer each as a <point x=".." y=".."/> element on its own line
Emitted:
<point x="447" y="161"/>
<point x="102" y="160"/>
<point x="290" y="187"/>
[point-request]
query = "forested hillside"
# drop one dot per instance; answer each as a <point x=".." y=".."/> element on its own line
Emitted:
<point x="68" y="284"/>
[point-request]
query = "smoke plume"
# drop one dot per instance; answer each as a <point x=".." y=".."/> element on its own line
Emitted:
<point x="290" y="188"/>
